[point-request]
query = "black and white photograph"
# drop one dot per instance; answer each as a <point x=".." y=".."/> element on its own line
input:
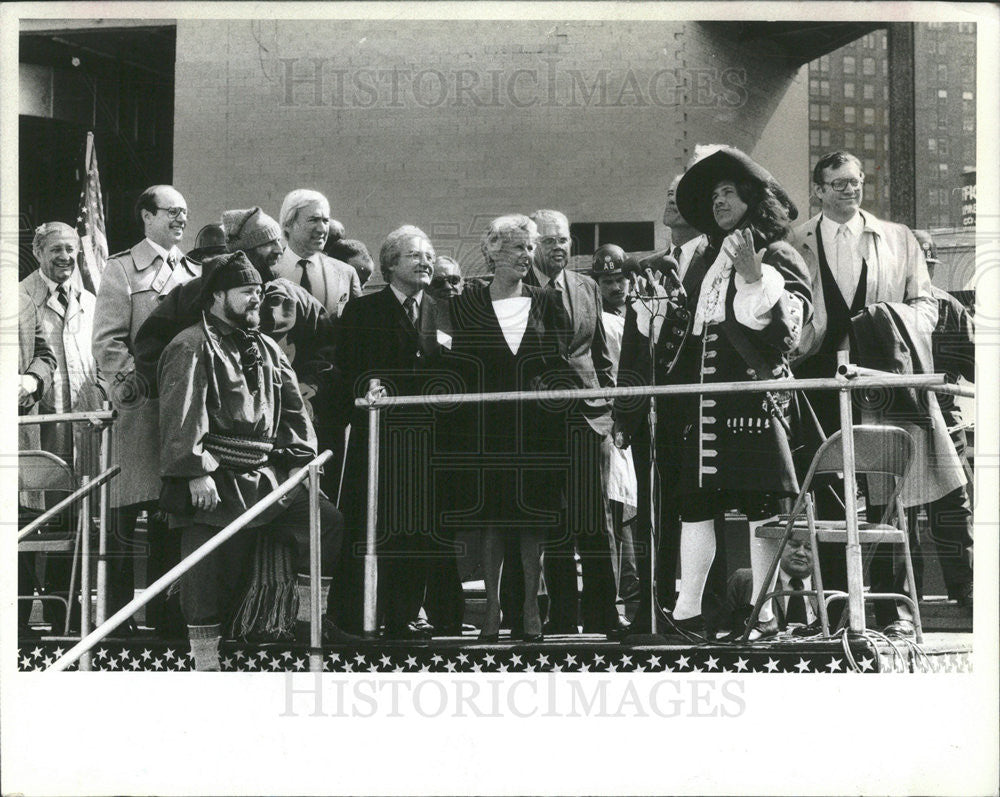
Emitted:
<point x="500" y="364"/>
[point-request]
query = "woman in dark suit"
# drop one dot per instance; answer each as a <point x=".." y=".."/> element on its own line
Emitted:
<point x="500" y="343"/>
<point x="746" y="296"/>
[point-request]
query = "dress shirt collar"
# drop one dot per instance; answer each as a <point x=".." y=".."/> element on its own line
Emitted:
<point x="786" y="580"/>
<point x="857" y="225"/>
<point x="53" y="286"/>
<point x="401" y="297"/>
<point x="164" y="253"/>
<point x="288" y="257"/>
<point x="545" y="281"/>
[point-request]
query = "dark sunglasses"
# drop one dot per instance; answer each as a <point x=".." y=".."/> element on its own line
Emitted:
<point x="452" y="280"/>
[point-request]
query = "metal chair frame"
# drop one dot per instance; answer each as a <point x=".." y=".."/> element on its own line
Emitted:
<point x="32" y="462"/>
<point x="879" y="450"/>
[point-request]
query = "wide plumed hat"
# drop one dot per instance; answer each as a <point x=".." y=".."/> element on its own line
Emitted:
<point x="694" y="191"/>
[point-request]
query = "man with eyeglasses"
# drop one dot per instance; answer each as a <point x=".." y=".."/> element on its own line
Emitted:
<point x="855" y="260"/>
<point x="447" y="280"/>
<point x="131" y="286"/>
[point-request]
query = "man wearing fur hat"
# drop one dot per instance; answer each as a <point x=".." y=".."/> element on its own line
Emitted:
<point x="232" y="428"/>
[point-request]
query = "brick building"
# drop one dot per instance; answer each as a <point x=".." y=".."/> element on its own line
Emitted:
<point x="441" y="124"/>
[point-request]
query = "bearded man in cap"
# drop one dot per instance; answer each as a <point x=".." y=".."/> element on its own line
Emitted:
<point x="233" y="427"/>
<point x="295" y="319"/>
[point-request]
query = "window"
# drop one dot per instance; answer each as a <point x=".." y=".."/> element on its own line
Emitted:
<point x="869" y="141"/>
<point x="932" y="196"/>
<point x="885" y="67"/>
<point x="632" y="236"/>
<point x="942" y="94"/>
<point x="824" y="138"/>
<point x="942" y="121"/>
<point x="813" y="112"/>
<point x="814" y="138"/>
<point x="869" y="91"/>
<point x="849" y="68"/>
<point x="868" y="66"/>
<point x="850" y="115"/>
<point x="824" y="112"/>
<point x="848" y="90"/>
<point x="943" y="171"/>
<point x="942" y="73"/>
<point x="813" y="88"/>
<point x="932" y="146"/>
<point x="969" y="125"/>
<point x="848" y="139"/>
<point x="885" y="93"/>
<point x="869" y="116"/>
<point x="885" y="142"/>
<point x="885" y="117"/>
<point x="942" y="146"/>
<point x="968" y="73"/>
<point x="967" y="95"/>
<point x="824" y="63"/>
<point x="942" y="47"/>
<point x="869" y="164"/>
<point x="824" y="88"/>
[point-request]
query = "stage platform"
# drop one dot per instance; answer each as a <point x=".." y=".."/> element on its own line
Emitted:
<point x="941" y="652"/>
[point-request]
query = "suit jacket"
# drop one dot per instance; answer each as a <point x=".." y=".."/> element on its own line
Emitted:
<point x="739" y="590"/>
<point x="583" y="345"/>
<point x="897" y="272"/>
<point x="336" y="284"/>
<point x="131" y="286"/>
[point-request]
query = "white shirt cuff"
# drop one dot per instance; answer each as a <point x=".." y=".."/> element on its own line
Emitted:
<point x="644" y="309"/>
<point x="754" y="300"/>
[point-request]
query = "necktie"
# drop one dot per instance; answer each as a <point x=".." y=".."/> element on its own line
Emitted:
<point x="305" y="281"/>
<point x="410" y="305"/>
<point x="63" y="295"/>
<point x="172" y="261"/>
<point x="795" y="612"/>
<point x="846" y="278"/>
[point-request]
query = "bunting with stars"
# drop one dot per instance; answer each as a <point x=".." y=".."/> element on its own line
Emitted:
<point x="90" y="222"/>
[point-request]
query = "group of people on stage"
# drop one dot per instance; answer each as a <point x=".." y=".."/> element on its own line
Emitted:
<point x="231" y="370"/>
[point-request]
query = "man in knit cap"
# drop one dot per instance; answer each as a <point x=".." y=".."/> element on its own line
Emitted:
<point x="290" y="315"/>
<point x="233" y="427"/>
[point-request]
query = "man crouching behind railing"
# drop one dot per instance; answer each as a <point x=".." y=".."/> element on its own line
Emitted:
<point x="233" y="427"/>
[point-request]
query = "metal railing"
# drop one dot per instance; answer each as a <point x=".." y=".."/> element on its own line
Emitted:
<point x="103" y="418"/>
<point x="849" y="377"/>
<point x="310" y="472"/>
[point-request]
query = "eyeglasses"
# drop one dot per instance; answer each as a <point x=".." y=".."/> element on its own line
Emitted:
<point x="452" y="280"/>
<point x="842" y="183"/>
<point x="173" y="212"/>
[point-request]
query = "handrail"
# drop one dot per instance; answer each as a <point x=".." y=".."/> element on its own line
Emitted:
<point x="164" y="581"/>
<point x="86" y="489"/>
<point x="96" y="416"/>
<point x="848" y="378"/>
<point x="373" y="400"/>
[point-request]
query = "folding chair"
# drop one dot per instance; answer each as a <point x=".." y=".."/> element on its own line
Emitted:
<point x="45" y="472"/>
<point x="879" y="451"/>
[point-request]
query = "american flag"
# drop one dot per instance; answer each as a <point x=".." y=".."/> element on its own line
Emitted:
<point x="90" y="222"/>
